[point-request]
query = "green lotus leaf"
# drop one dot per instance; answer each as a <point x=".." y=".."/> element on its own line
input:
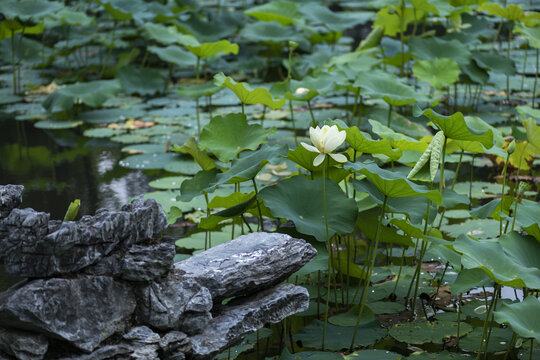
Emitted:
<point x="196" y="241"/>
<point x="498" y="339"/>
<point x="393" y="184"/>
<point x="413" y="207"/>
<point x="212" y="48"/>
<point x="374" y="354"/>
<point x="284" y="12"/>
<point x="130" y="138"/>
<point x="226" y="136"/>
<point x="27" y="9"/>
<point x="513" y="260"/>
<point x="198" y="90"/>
<point x="202" y="182"/>
<point x="363" y="143"/>
<point x="434" y="48"/>
<point x="147" y="161"/>
<point x="234" y="204"/>
<point x="168" y="182"/>
<point x="69" y="17"/>
<point x="318" y="14"/>
<point x="528" y="217"/>
<point x="57" y="124"/>
<point x="398" y="140"/>
<point x="421" y="332"/>
<point x="201" y="157"/>
<point x="301" y="200"/>
<point x="367" y="222"/>
<point x="338" y="337"/>
<point x="457" y="127"/>
<point x="523" y="317"/>
<point x="103" y="132"/>
<point x="512" y="12"/>
<point x="92" y="93"/>
<point x="439" y="73"/>
<point x="175" y="55"/>
<point x="533" y="134"/>
<point x="183" y="166"/>
<point x="248" y="165"/>
<point x="393" y="92"/>
<point x="373" y="39"/>
<point x="474" y="73"/>
<point x="395" y="20"/>
<point x="495" y="62"/>
<point x="494" y="208"/>
<point x="309" y="355"/>
<point x="269" y="32"/>
<point x="349" y="317"/>
<point x="468" y="279"/>
<point x="141" y="81"/>
<point x="532" y="34"/>
<point x="168" y="35"/>
<point x="123" y="10"/>
<point x="248" y="95"/>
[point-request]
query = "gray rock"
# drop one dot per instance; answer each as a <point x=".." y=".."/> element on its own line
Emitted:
<point x="142" y="262"/>
<point x="10" y="198"/>
<point x="147" y="352"/>
<point x="161" y="304"/>
<point x="109" y="352"/>
<point x="23" y="345"/>
<point x="176" y="356"/>
<point x="32" y="251"/>
<point x="82" y="311"/>
<point x="194" y="322"/>
<point x="141" y="335"/>
<point x="247" y="263"/>
<point x="246" y="315"/>
<point x="146" y="263"/>
<point x="174" y="342"/>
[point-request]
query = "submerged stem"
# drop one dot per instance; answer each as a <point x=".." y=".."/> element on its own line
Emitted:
<point x="369" y="272"/>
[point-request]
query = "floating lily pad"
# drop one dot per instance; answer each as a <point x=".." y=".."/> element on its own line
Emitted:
<point x="93" y="93"/>
<point x="147" y="161"/>
<point x="196" y="241"/>
<point x="183" y="166"/>
<point x="373" y="354"/>
<point x="144" y="148"/>
<point x="338" y="337"/>
<point x="57" y="124"/>
<point x="140" y="80"/>
<point x="169" y="182"/>
<point x="421" y="332"/>
<point x="130" y="139"/>
<point x="479" y="229"/>
<point x="498" y="340"/>
<point x="102" y="132"/>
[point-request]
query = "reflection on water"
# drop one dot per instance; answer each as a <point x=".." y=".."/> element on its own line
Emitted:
<point x="59" y="166"/>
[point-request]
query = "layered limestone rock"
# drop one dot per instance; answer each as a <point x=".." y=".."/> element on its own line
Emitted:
<point x="105" y="287"/>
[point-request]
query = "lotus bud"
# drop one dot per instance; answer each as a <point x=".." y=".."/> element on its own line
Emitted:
<point x="523" y="187"/>
<point x="512" y="147"/>
<point x="293" y="45"/>
<point x="301" y="91"/>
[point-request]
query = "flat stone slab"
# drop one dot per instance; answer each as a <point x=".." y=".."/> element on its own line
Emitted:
<point x="245" y="315"/>
<point x="246" y="264"/>
<point x="82" y="311"/>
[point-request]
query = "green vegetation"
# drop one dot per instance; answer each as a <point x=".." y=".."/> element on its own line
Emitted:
<point x="425" y="212"/>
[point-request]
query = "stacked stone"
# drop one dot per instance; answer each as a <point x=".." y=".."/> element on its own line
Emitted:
<point x="105" y="287"/>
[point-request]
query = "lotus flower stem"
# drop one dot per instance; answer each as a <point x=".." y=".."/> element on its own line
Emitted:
<point x="502" y="196"/>
<point x="329" y="246"/>
<point x="389" y="116"/>
<point x="399" y="273"/>
<point x="458" y="318"/>
<point x="535" y="80"/>
<point x="313" y="121"/>
<point x="524" y="69"/>
<point x="258" y="204"/>
<point x="488" y="315"/>
<point x="369" y="272"/>
<point x="511" y="345"/>
<point x="508" y="58"/>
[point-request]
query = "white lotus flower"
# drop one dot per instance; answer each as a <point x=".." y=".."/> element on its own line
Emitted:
<point x="301" y="91"/>
<point x="326" y="140"/>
